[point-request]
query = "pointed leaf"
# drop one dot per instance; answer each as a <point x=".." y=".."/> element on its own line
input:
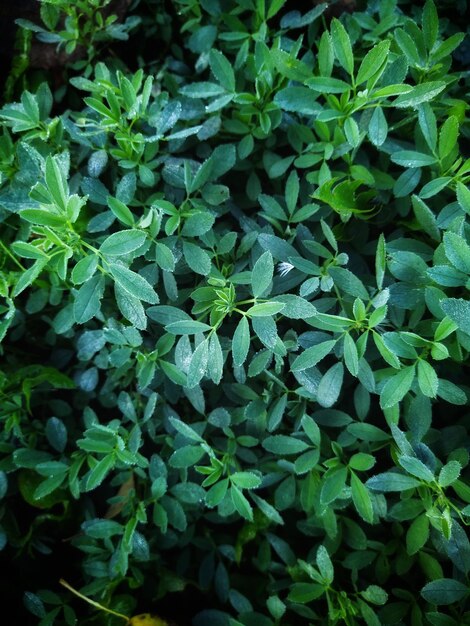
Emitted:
<point x="396" y="387"/>
<point x="262" y="274"/>
<point x="135" y="284"/>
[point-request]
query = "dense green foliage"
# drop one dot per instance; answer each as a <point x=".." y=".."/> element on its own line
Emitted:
<point x="235" y="316"/>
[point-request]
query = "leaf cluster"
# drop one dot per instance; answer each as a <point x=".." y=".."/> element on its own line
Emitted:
<point x="235" y="319"/>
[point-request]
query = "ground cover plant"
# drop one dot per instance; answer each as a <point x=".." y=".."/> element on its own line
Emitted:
<point x="235" y="317"/>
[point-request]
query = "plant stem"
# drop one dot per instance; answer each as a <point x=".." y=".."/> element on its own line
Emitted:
<point x="65" y="584"/>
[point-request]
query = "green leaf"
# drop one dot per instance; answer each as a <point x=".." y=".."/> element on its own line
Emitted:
<point x="131" y="308"/>
<point x="367" y="432"/>
<point x="428" y="125"/>
<point x="215" y="360"/>
<point x="380" y="261"/>
<point x="325" y="54"/>
<point x="351" y="357"/>
<point x="275" y="605"/>
<point x="447" y="275"/>
<point x="267" y="509"/>
<point x="298" y="100"/>
<point x="463" y="197"/>
<point x="296" y="308"/>
<point x="311" y="429"/>
<point x="451" y="393"/>
<point x="446" y="48"/>
<point x="351" y="130"/>
<point x="262" y="274"/>
<point x="27" y="250"/>
<point x="463" y="491"/>
<point x="186" y="456"/>
<point x="417" y="535"/>
<point x="449" y="473"/>
<point x="135" y="284"/>
<point x="292" y="191"/>
<point x="266" y="329"/>
<point x="188" y="132"/>
<point x="391" y="90"/>
<point x="241" y="503"/>
<point x="457" y="251"/>
<point x="56" y="434"/>
<point x="396" y="387"/>
<point x="419" y="94"/>
<point x="173" y="373"/>
<point x="407" y="44"/>
<point x="324" y="84"/>
<point x="185" y="429"/>
<point x="324" y="564"/>
<point x="361" y="499"/>
<point x="342" y="46"/>
<point x="99" y="472"/>
<point x="448" y="136"/>
<point x="375" y="595"/>
<point x="102" y="528"/>
<point x="305" y="593"/>
<point x="198" y="364"/>
<point x="164" y="257"/>
<point x="306" y="462"/>
<point x="245" y="480"/>
<point x="330" y="237"/>
<point x="216" y="493"/>
<point x="201" y="222"/>
<point x="392" y="481"/>
<point x="274" y="7"/>
<point x="330" y="385"/>
<point x="290" y="67"/>
<point x="42" y="217"/>
<point x="361" y="461"/>
<point x="426" y="218"/>
<point x="56" y="183"/>
<point x="430" y="22"/>
<point x="416" y="467"/>
<point x="29" y="276"/>
<point x="459" y="312"/>
<point x="348" y="282"/>
<point x="34" y="604"/>
<point x="265" y="309"/>
<point x="444" y="591"/>
<point x="187" y="327"/>
<point x="445" y="328"/>
<point x="280" y="249"/>
<point x="123" y="242"/>
<point x="372" y="62"/>
<point x="311" y="356"/>
<point x="284" y="445"/>
<point x="121" y="211"/>
<point x="203" y="89"/>
<point x="222" y="70"/>
<point x="333" y="484"/>
<point x="87" y="301"/>
<point x="427" y="379"/>
<point x="377" y="129"/>
<point x="388" y="356"/>
<point x="197" y="258"/>
<point x="48" y="486"/>
<point x="241" y="342"/>
<point x="271" y="207"/>
<point x="412" y="158"/>
<point x="85" y="269"/>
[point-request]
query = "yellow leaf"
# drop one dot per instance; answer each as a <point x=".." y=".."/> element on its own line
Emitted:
<point x="145" y="619"/>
